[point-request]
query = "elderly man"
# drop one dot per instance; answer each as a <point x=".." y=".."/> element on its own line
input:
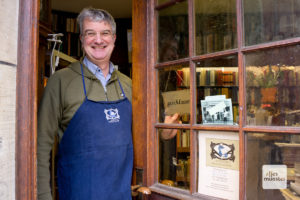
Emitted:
<point x="88" y="106"/>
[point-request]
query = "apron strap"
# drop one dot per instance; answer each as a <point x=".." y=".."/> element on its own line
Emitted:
<point x="83" y="80"/>
<point x="123" y="93"/>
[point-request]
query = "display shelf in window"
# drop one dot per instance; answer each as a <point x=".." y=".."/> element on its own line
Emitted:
<point x="211" y="81"/>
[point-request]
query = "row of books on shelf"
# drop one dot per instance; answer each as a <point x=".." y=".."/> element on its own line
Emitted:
<point x="215" y="42"/>
<point x="64" y="23"/>
<point x="209" y="77"/>
<point x="278" y="31"/>
<point x="71" y="45"/>
<point x="183" y="170"/>
<point x="290" y="78"/>
<point x="183" y="139"/>
<point x="216" y="78"/>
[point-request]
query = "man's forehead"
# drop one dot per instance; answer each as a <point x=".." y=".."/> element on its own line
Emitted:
<point x="89" y="23"/>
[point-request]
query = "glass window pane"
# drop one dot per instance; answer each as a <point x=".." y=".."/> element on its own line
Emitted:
<point x="268" y="20"/>
<point x="174" y="158"/>
<point x="173" y="32"/>
<point x="215" y="25"/>
<point x="218" y="164"/>
<point x="264" y="150"/>
<point x="174" y="93"/>
<point x="216" y="77"/>
<point x="273" y="87"/>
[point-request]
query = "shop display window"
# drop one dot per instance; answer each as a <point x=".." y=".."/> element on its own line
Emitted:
<point x="174" y="157"/>
<point x="216" y="78"/>
<point x="174" y="93"/>
<point x="173" y="32"/>
<point x="273" y="87"/>
<point x="267" y="20"/>
<point x="215" y="26"/>
<point x="235" y="66"/>
<point x="272" y="166"/>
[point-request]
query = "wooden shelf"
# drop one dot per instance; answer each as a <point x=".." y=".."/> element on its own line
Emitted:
<point x="183" y="149"/>
<point x="291" y="145"/>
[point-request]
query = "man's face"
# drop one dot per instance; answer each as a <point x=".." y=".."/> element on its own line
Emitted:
<point x="98" y="41"/>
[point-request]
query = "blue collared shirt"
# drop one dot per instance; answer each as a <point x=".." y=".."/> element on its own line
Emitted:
<point x="98" y="73"/>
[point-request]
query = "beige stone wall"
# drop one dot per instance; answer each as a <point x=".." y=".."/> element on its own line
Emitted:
<point x="8" y="65"/>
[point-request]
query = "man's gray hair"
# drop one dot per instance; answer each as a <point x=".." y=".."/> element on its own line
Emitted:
<point x="97" y="15"/>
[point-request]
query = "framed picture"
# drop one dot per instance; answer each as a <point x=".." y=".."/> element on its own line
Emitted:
<point x="218" y="162"/>
<point x="217" y="110"/>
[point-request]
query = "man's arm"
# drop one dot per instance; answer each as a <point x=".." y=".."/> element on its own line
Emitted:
<point x="167" y="134"/>
<point x="48" y="121"/>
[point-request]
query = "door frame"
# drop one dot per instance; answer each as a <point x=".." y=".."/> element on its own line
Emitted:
<point x="26" y="100"/>
<point x="26" y="96"/>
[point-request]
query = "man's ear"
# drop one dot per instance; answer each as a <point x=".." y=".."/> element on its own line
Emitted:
<point x="81" y="38"/>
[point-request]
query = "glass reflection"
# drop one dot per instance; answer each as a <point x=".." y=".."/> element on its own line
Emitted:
<point x="215" y="25"/>
<point x="273" y="87"/>
<point x="174" y="94"/>
<point x="173" y="32"/>
<point x="174" y="158"/>
<point x="266" y="20"/>
<point x="272" y="149"/>
<point x="216" y="77"/>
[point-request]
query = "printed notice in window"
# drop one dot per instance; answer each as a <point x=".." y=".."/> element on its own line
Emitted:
<point x="176" y="102"/>
<point x="219" y="164"/>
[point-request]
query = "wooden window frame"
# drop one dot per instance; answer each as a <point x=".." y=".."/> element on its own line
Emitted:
<point x="242" y="127"/>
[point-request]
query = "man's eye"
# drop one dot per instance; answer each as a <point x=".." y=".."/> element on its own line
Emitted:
<point x="105" y="33"/>
<point x="90" y="34"/>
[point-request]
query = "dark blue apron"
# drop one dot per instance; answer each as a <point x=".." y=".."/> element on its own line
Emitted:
<point x="95" y="156"/>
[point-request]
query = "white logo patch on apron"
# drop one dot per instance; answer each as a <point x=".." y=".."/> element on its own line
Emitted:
<point x="112" y="115"/>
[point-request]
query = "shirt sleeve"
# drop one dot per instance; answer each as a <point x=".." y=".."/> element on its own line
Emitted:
<point x="49" y="115"/>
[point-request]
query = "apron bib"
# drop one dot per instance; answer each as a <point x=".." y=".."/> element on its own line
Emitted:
<point x="95" y="156"/>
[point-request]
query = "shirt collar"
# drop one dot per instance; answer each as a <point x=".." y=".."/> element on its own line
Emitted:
<point x="94" y="68"/>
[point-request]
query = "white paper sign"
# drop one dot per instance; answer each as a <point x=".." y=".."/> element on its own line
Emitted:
<point x="218" y="167"/>
<point x="176" y="102"/>
<point x="274" y="177"/>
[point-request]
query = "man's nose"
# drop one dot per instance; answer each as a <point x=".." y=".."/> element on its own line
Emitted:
<point x="98" y="37"/>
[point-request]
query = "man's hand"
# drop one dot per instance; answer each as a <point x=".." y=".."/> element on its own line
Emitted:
<point x="167" y="134"/>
